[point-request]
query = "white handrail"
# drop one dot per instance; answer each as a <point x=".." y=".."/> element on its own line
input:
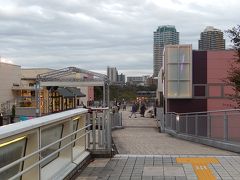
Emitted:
<point x="20" y="127"/>
<point x="42" y="160"/>
<point x="39" y="150"/>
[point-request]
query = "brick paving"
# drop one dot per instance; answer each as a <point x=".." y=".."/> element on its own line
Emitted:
<point x="141" y="136"/>
<point x="143" y="167"/>
<point x="146" y="154"/>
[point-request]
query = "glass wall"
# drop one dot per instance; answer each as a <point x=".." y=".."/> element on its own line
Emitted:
<point x="178" y="69"/>
<point x="10" y="152"/>
<point x="49" y="136"/>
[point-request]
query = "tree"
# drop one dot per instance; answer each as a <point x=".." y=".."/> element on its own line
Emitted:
<point x="234" y="73"/>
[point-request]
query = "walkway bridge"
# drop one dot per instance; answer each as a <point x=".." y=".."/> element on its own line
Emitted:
<point x="56" y="146"/>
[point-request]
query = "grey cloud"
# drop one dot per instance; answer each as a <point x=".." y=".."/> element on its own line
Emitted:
<point x="97" y="33"/>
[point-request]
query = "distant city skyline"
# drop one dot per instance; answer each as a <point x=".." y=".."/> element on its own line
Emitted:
<point x="95" y="34"/>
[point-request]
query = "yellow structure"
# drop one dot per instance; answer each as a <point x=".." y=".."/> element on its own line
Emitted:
<point x="200" y="166"/>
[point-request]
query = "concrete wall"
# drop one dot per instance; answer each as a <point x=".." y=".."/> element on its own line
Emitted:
<point x="9" y="74"/>
<point x="32" y="73"/>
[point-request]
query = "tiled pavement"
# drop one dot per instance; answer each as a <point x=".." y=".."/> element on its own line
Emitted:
<point x="141" y="136"/>
<point x="164" y="167"/>
<point x="146" y="154"/>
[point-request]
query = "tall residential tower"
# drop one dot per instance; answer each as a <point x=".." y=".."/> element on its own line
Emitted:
<point x="211" y="39"/>
<point x="112" y="74"/>
<point x="164" y="35"/>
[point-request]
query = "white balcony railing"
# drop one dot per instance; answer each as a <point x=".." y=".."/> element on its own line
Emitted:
<point x="50" y="147"/>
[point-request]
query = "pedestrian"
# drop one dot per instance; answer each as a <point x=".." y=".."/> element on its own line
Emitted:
<point x="124" y="106"/>
<point x="1" y="119"/>
<point x="142" y="109"/>
<point x="134" y="110"/>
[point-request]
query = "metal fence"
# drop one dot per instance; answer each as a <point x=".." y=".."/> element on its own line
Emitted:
<point x="50" y="147"/>
<point x="221" y="125"/>
<point x="116" y="119"/>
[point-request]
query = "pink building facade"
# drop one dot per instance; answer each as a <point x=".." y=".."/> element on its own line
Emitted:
<point x="218" y="65"/>
<point x="210" y="93"/>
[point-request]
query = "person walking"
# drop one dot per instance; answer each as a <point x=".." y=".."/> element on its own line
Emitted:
<point x="142" y="109"/>
<point x="1" y="119"/>
<point x="124" y="105"/>
<point x="134" y="110"/>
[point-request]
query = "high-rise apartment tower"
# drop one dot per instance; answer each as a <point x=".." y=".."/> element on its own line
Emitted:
<point x="112" y="74"/>
<point x="211" y="39"/>
<point x="164" y="35"/>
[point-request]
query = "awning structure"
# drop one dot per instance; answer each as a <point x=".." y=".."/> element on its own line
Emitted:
<point x="77" y="92"/>
<point x="72" y="77"/>
<point x="65" y="93"/>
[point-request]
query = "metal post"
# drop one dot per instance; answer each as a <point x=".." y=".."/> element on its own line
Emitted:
<point x="186" y="118"/>
<point x="99" y="131"/>
<point x="109" y="129"/>
<point x="177" y="119"/>
<point x="225" y="126"/>
<point x="196" y="124"/>
<point x="208" y="125"/>
<point x="171" y="120"/>
<point x="164" y="122"/>
<point x="37" y="95"/>
<point x="108" y="95"/>
<point x="94" y="130"/>
<point x="104" y="95"/>
<point x="103" y="128"/>
<point x="88" y="129"/>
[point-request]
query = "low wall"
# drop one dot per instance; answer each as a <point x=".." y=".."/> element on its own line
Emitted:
<point x="26" y="111"/>
<point x="229" y="146"/>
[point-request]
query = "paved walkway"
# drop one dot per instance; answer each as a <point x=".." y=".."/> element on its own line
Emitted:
<point x="146" y="154"/>
<point x="141" y="136"/>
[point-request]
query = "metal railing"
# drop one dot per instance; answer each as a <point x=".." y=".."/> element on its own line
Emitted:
<point x="116" y="120"/>
<point x="50" y="147"/>
<point x="223" y="125"/>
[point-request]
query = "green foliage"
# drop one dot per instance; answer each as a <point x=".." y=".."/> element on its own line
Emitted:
<point x="127" y="92"/>
<point x="122" y="92"/>
<point x="98" y="93"/>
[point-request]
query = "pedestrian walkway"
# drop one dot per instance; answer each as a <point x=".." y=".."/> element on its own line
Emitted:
<point x="141" y="136"/>
<point x="146" y="154"/>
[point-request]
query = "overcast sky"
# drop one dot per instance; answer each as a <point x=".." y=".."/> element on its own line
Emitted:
<point x="94" y="34"/>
